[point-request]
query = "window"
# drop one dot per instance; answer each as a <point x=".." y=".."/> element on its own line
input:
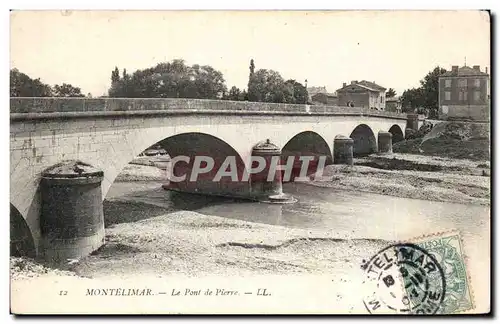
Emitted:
<point x="462" y="96"/>
<point x="477" y="83"/>
<point x="477" y="96"/>
<point x="462" y="83"/>
<point x="447" y="95"/>
<point x="447" y="83"/>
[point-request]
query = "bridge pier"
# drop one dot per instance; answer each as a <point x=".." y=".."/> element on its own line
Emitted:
<point x="384" y="142"/>
<point x="266" y="185"/>
<point x="412" y="121"/>
<point x="72" y="218"/>
<point x="343" y="150"/>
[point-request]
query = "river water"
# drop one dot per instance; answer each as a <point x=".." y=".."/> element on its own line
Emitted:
<point x="350" y="214"/>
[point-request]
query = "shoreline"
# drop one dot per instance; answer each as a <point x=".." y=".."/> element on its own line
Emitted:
<point x="456" y="181"/>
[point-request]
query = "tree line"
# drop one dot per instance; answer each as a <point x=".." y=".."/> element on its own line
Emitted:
<point x="176" y="79"/>
<point x="21" y="85"/>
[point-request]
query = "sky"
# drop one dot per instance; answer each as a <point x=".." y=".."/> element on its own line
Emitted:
<point x="395" y="49"/>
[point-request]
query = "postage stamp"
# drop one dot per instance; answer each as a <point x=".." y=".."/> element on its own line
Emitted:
<point x="448" y="249"/>
<point x="427" y="276"/>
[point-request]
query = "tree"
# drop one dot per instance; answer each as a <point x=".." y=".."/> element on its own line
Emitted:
<point x="430" y="90"/>
<point x="115" y="75"/>
<point x="234" y="94"/>
<point x="252" y="67"/>
<point x="269" y="86"/>
<point x="21" y="85"/>
<point x="390" y="93"/>
<point x="243" y="96"/>
<point x="66" y="90"/>
<point x="300" y="94"/>
<point x="424" y="98"/>
<point x="412" y="99"/>
<point x="173" y="79"/>
<point x="252" y="91"/>
<point x="206" y="82"/>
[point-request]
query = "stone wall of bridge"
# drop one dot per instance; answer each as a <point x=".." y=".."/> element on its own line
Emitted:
<point x="52" y="105"/>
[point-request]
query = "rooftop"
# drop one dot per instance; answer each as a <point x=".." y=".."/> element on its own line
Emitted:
<point x="315" y="90"/>
<point x="371" y="86"/>
<point x="464" y="71"/>
<point x="326" y="94"/>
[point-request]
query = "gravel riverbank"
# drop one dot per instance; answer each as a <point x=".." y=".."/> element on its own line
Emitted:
<point x="193" y="244"/>
<point x="413" y="176"/>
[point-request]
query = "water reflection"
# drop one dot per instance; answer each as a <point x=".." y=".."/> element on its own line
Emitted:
<point x="350" y="214"/>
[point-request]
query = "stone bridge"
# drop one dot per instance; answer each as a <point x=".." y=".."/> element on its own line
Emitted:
<point x="109" y="133"/>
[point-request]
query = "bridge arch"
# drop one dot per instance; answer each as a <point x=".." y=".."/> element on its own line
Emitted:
<point x="365" y="141"/>
<point x="397" y="133"/>
<point x="306" y="143"/>
<point x="195" y="144"/>
<point x="22" y="243"/>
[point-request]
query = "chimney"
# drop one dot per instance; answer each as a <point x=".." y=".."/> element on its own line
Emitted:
<point x="344" y="84"/>
<point x="486" y="70"/>
<point x="477" y="68"/>
<point x="454" y="69"/>
<point x="354" y="82"/>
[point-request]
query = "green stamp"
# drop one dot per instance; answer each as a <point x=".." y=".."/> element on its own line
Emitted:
<point x="425" y="277"/>
<point x="448" y="251"/>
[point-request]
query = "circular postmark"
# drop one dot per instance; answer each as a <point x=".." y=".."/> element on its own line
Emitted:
<point x="403" y="279"/>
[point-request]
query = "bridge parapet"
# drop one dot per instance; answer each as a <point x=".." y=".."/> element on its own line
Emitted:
<point x="40" y="105"/>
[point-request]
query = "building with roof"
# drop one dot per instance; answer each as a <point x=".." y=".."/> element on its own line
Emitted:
<point x="464" y="93"/>
<point x="393" y="104"/>
<point x="329" y="99"/>
<point x="311" y="91"/>
<point x="363" y="94"/>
